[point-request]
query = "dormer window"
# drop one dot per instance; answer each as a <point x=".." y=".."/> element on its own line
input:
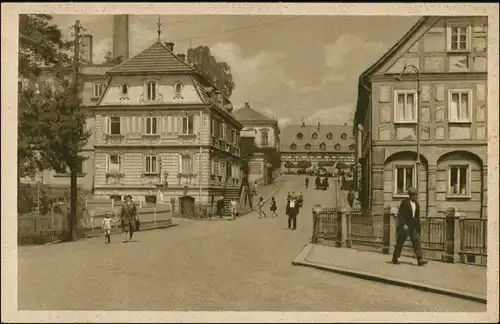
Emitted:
<point x="124" y="89"/>
<point x="314" y="136"/>
<point x="322" y="146"/>
<point x="300" y="136"/>
<point x="343" y="136"/>
<point x="337" y="146"/>
<point x="151" y="90"/>
<point x="293" y="146"/>
<point x="307" y="146"/>
<point x="178" y="89"/>
<point x="329" y="136"/>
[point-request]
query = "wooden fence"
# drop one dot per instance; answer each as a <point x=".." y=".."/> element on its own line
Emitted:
<point x="453" y="238"/>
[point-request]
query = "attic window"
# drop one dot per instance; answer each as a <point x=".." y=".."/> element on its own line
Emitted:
<point x="307" y="146"/>
<point x="178" y="88"/>
<point x="337" y="146"/>
<point x="124" y="89"/>
<point x="322" y="146"/>
<point x="329" y="136"/>
<point x="351" y="147"/>
<point x="314" y="136"/>
<point x="343" y="136"/>
<point x="300" y="136"/>
<point x="293" y="146"/>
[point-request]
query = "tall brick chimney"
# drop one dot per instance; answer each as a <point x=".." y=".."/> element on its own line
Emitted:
<point x="86" y="46"/>
<point x="120" y="36"/>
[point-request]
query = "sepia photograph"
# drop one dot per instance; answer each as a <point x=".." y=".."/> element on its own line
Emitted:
<point x="277" y="161"/>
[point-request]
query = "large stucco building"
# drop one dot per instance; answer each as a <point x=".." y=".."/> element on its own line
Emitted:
<point x="451" y="56"/>
<point x="316" y="143"/>
<point x="162" y="133"/>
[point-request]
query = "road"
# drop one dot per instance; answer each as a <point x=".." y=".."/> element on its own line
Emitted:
<point x="242" y="265"/>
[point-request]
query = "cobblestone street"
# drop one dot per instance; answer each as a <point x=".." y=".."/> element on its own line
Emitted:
<point x="241" y="265"/>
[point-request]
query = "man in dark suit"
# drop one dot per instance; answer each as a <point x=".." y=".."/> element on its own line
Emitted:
<point x="409" y="225"/>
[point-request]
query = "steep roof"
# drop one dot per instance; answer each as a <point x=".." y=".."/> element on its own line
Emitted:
<point x="330" y="135"/>
<point x="157" y="59"/>
<point x="247" y="114"/>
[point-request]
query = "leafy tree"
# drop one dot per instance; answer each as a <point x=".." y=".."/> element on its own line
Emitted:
<point x="217" y="72"/>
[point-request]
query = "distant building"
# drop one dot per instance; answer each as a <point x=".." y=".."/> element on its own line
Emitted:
<point x="451" y="55"/>
<point x="318" y="144"/>
<point x="163" y="133"/>
<point x="264" y="133"/>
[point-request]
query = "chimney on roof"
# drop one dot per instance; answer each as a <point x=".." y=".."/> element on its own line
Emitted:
<point x="247" y="105"/>
<point x="303" y="122"/>
<point x="318" y="126"/>
<point x="182" y="56"/>
<point x="170" y="46"/>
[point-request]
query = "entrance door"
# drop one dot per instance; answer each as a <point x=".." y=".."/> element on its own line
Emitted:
<point x="187" y="205"/>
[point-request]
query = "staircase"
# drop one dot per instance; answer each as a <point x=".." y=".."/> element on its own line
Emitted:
<point x="230" y="194"/>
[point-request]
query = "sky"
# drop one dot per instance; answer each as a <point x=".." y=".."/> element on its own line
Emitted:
<point x="287" y="67"/>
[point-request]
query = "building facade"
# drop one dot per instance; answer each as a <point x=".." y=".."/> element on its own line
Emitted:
<point x="263" y="159"/>
<point x="450" y="55"/>
<point x="318" y="144"/>
<point x="162" y="133"/>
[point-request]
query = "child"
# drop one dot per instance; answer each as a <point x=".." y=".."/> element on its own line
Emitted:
<point x="106" y="226"/>
<point x="273" y="208"/>
<point x="261" y="205"/>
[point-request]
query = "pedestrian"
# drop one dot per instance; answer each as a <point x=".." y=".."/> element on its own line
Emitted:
<point x="287" y="204"/>
<point x="261" y="206"/>
<point x="255" y="188"/>
<point x="106" y="227"/>
<point x="292" y="214"/>
<point x="409" y="225"/>
<point x="273" y="208"/>
<point x="234" y="208"/>
<point x="128" y="218"/>
<point x="220" y="206"/>
<point x="307" y="182"/>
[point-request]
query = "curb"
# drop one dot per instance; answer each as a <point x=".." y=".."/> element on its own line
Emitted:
<point x="265" y="199"/>
<point x="301" y="260"/>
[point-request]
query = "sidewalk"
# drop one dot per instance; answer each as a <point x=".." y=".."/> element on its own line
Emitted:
<point x="458" y="280"/>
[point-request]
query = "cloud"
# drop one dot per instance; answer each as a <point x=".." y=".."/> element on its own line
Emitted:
<point x="340" y="114"/>
<point x="346" y="49"/>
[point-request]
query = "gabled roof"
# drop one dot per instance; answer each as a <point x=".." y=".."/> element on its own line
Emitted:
<point x="157" y="59"/>
<point x="247" y="114"/>
<point x="290" y="135"/>
<point x="363" y="84"/>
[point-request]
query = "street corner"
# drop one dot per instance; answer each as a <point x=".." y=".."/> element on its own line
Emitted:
<point x="301" y="258"/>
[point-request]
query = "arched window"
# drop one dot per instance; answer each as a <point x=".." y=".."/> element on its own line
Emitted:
<point x="293" y="146"/>
<point x="124" y="89"/>
<point x="314" y="136"/>
<point x="351" y="147"/>
<point x="329" y="136"/>
<point x="343" y="136"/>
<point x="299" y="136"/>
<point x="307" y="146"/>
<point x="178" y="88"/>
<point x="322" y="146"/>
<point x="337" y="146"/>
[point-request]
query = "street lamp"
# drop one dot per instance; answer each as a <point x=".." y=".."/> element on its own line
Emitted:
<point x="412" y="69"/>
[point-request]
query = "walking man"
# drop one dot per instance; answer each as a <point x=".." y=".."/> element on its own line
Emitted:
<point x="409" y="225"/>
<point x="128" y="217"/>
<point x="292" y="213"/>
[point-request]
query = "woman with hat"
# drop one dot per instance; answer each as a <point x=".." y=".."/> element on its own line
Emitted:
<point x="128" y="217"/>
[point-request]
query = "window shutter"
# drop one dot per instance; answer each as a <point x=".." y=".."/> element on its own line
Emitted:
<point x="158" y="163"/>
<point x="120" y="161"/>
<point x="169" y="124"/>
<point x="180" y="163"/>
<point x="144" y="163"/>
<point x="176" y="122"/>
<point x="193" y="163"/>
<point x="105" y="125"/>
<point x="160" y="124"/>
<point x="196" y="124"/>
<point x="122" y="125"/>
<point x="107" y="163"/>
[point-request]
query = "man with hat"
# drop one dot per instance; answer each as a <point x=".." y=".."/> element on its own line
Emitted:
<point x="409" y="225"/>
<point x="128" y="218"/>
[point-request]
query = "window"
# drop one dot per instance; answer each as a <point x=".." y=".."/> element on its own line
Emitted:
<point x="151" y="125"/>
<point x="405" y="109"/>
<point x="124" y="89"/>
<point x="307" y="146"/>
<point x="233" y="136"/>
<point x="343" y="136"/>
<point x="460" y="106"/>
<point x="300" y="136"/>
<point x="329" y="136"/>
<point x="337" y="146"/>
<point x="186" y="164"/>
<point x="114" y="163"/>
<point x="458" y="180"/>
<point x="351" y="147"/>
<point x="229" y="170"/>
<point x="187" y="125"/>
<point x="79" y="170"/>
<point x="150" y="199"/>
<point x="224" y="131"/>
<point x="458" y="38"/>
<point x="314" y="136"/>
<point x="404" y="178"/>
<point x="293" y="146"/>
<point x="151" y="90"/>
<point x="322" y="146"/>
<point x="178" y="89"/>
<point x="264" y="137"/>
<point x="213" y="129"/>
<point x="98" y="89"/>
<point x="115" y="126"/>
<point x="151" y="164"/>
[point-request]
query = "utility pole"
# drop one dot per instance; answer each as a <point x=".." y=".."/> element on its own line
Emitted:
<point x="73" y="167"/>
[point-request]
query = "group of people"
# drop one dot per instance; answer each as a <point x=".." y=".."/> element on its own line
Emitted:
<point x="128" y="219"/>
<point x="293" y="204"/>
